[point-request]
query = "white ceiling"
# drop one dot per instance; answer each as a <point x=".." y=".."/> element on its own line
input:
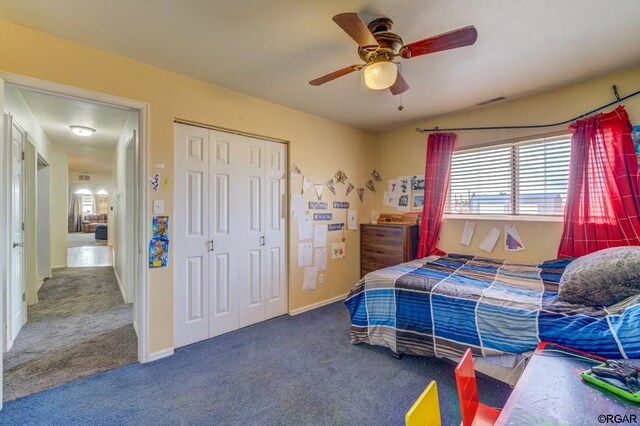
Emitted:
<point x="93" y="154"/>
<point x="271" y="49"/>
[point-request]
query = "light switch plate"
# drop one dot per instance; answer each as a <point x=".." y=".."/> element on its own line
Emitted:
<point x="158" y="206"/>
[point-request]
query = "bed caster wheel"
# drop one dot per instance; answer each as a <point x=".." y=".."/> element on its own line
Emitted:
<point x="397" y="356"/>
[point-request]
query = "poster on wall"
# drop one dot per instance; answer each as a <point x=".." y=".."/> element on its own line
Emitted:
<point x="338" y="250"/>
<point x="403" y="203"/>
<point x="160" y="227"/>
<point x="310" y="278"/>
<point x="635" y="136"/>
<point x="467" y="233"/>
<point x="512" y="239"/>
<point x="489" y="242"/>
<point x="417" y="183"/>
<point x="417" y="200"/>
<point x="158" y="253"/>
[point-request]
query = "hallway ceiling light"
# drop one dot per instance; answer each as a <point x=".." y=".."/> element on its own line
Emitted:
<point x="82" y="130"/>
<point x="84" y="191"/>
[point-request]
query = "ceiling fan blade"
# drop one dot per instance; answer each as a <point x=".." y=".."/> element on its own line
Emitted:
<point x="357" y="30"/>
<point x="457" y="38"/>
<point x="332" y="76"/>
<point x="400" y="85"/>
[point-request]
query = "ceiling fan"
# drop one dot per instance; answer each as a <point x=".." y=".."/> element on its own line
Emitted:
<point x="379" y="46"/>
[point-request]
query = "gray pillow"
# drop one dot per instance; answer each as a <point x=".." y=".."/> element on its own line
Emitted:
<point x="602" y="278"/>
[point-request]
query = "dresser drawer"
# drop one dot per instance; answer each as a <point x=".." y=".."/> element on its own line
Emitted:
<point x="385" y="245"/>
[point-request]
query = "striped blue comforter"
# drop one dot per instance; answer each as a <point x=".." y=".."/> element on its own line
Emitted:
<point x="442" y="305"/>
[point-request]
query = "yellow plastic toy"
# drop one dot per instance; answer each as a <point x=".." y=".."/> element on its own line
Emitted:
<point x="426" y="409"/>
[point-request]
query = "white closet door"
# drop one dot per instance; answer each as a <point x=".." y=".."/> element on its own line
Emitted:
<point x="191" y="235"/>
<point x="251" y="217"/>
<point x="229" y="232"/>
<point x="226" y="258"/>
<point x="275" y="249"/>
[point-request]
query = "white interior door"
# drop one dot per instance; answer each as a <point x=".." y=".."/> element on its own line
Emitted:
<point x="17" y="301"/>
<point x="224" y="210"/>
<point x="191" y="235"/>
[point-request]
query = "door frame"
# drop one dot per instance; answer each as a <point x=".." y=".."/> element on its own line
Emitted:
<point x="142" y="108"/>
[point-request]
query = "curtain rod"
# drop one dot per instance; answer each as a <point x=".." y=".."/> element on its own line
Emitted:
<point x="533" y="126"/>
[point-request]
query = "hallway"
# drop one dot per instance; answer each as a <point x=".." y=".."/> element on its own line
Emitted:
<point x="84" y="250"/>
<point x="79" y="327"/>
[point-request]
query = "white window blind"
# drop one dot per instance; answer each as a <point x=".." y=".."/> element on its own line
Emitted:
<point x="525" y="178"/>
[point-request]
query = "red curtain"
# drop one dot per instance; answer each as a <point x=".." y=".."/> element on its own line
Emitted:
<point x="436" y="184"/>
<point x="603" y="201"/>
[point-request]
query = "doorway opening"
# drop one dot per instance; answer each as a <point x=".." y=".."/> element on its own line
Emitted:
<point x="77" y="266"/>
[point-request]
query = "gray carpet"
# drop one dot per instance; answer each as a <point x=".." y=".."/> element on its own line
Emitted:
<point x="298" y="370"/>
<point x="82" y="239"/>
<point x="81" y="326"/>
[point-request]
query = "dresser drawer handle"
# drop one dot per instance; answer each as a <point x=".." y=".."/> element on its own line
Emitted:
<point x="380" y="235"/>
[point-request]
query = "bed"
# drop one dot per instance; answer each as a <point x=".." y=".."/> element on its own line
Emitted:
<point x="441" y="305"/>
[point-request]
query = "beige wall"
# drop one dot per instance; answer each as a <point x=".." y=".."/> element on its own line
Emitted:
<point x="59" y="190"/>
<point x="317" y="145"/>
<point x="402" y="152"/>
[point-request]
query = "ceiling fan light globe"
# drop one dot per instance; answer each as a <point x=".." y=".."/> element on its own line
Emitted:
<point x="380" y="75"/>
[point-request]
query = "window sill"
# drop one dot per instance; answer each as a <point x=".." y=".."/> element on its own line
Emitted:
<point x="509" y="218"/>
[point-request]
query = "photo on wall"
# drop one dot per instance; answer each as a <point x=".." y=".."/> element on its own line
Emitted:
<point x="635" y="136"/>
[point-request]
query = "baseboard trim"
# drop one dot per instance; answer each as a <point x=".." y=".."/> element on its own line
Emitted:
<point x="124" y="296"/>
<point x="318" y="304"/>
<point x="160" y="354"/>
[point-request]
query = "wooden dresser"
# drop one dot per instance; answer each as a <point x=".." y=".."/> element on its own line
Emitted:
<point x="383" y="245"/>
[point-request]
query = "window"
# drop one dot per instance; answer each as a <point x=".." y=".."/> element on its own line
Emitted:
<point x="525" y="178"/>
<point x="87" y="203"/>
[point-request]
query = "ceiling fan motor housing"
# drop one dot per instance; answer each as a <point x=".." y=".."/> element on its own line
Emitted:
<point x="390" y="42"/>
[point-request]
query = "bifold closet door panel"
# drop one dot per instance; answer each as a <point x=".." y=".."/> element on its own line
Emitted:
<point x="251" y="216"/>
<point x="191" y="234"/>
<point x="275" y="229"/>
<point x="226" y="232"/>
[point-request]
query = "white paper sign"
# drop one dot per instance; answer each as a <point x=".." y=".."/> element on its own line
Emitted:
<point x="297" y="206"/>
<point x="305" y="254"/>
<point x="310" y="278"/>
<point x="305" y="227"/>
<point x="490" y="240"/>
<point x="512" y="239"/>
<point x="320" y="235"/>
<point x="321" y="259"/>
<point x="352" y="220"/>
<point x="467" y="233"/>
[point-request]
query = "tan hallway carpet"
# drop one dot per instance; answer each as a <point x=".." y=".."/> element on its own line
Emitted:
<point x="84" y="239"/>
<point x="80" y="326"/>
